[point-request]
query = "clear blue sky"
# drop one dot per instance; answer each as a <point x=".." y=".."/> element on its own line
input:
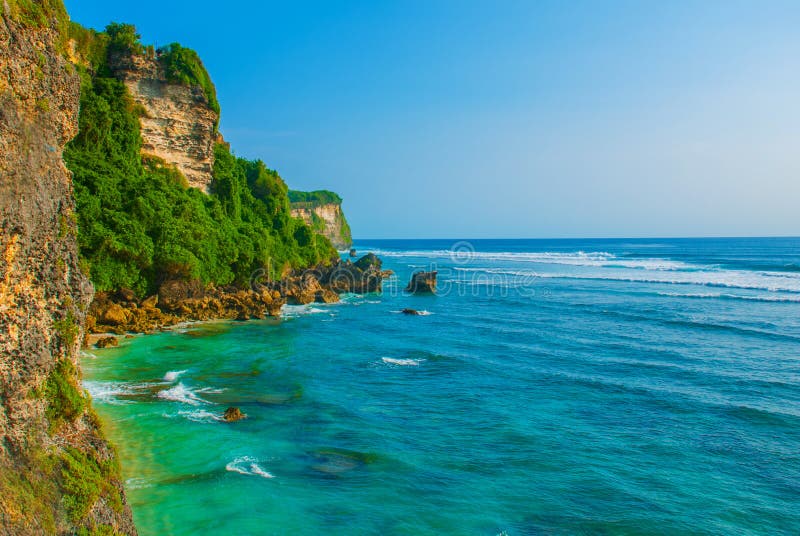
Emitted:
<point x="509" y="119"/>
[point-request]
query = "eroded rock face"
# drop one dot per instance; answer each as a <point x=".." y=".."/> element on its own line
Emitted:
<point x="422" y="283"/>
<point x="178" y="126"/>
<point x="43" y="296"/>
<point x="327" y="219"/>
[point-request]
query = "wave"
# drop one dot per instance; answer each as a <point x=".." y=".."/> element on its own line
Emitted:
<point x="245" y="465"/>
<point x="577" y="258"/>
<point x="200" y="415"/>
<point x="710" y="278"/>
<point x="108" y="392"/>
<point x="721" y="296"/>
<point x="183" y="394"/>
<point x="402" y="362"/>
<point x="294" y="311"/>
<point x="173" y="375"/>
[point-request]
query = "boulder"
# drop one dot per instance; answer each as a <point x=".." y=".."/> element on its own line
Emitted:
<point x="353" y="252"/>
<point x="326" y="296"/>
<point x="114" y="315"/>
<point x="150" y="302"/>
<point x="105" y="342"/>
<point x="171" y="293"/>
<point x="126" y="294"/>
<point x="422" y="283"/>
<point x="233" y="414"/>
<point x="410" y="312"/>
<point x="370" y="261"/>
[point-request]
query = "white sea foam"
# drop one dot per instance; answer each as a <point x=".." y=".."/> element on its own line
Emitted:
<point x="402" y="362"/>
<point x="137" y="483"/>
<point x="183" y="394"/>
<point x="173" y="375"/>
<point x="200" y="415"/>
<point x="769" y="281"/>
<point x="576" y="258"/>
<point x="246" y="465"/>
<point x="294" y="311"/>
<point x="107" y="392"/>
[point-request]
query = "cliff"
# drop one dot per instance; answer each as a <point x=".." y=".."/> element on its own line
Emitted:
<point x="57" y="473"/>
<point x="177" y="121"/>
<point x="322" y="211"/>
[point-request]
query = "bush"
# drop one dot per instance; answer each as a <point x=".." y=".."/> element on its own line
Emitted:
<point x="84" y="480"/>
<point x="65" y="402"/>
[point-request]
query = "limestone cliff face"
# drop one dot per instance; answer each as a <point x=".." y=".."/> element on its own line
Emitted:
<point x="177" y="124"/>
<point x="327" y="219"/>
<point x="57" y="473"/>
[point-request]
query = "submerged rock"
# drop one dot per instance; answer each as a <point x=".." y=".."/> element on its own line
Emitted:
<point x="233" y="414"/>
<point x="105" y="342"/>
<point x="422" y="283"/>
<point x="410" y="312"/>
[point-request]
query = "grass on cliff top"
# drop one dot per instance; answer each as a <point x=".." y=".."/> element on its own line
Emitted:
<point x="317" y="197"/>
<point x="37" y="13"/>
<point x="183" y="65"/>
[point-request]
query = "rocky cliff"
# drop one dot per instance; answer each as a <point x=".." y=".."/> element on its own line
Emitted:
<point x="57" y="473"/>
<point x="322" y="211"/>
<point x="177" y="123"/>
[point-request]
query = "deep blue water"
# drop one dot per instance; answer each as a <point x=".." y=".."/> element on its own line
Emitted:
<point x="555" y="387"/>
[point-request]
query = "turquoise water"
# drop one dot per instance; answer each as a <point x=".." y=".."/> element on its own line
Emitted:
<point x="555" y="387"/>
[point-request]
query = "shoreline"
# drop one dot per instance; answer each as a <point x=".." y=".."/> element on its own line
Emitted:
<point x="177" y="302"/>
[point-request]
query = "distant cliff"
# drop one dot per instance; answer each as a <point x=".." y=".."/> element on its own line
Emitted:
<point x="322" y="211"/>
<point x="57" y="473"/>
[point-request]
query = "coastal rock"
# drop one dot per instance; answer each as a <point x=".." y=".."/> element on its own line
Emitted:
<point x="410" y="312"/>
<point x="44" y="295"/>
<point x="126" y="294"/>
<point x="114" y="315"/>
<point x="360" y="277"/>
<point x="422" y="283"/>
<point x="353" y="252"/>
<point x="150" y="302"/>
<point x="233" y="414"/>
<point x="369" y="262"/>
<point x="105" y="342"/>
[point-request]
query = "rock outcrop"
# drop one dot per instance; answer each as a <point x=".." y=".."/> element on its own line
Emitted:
<point x="187" y="301"/>
<point x="233" y="414"/>
<point x="422" y="283"/>
<point x="57" y="473"/>
<point x="322" y="211"/>
<point x="177" y="123"/>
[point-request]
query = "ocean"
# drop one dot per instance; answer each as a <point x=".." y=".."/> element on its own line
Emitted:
<point x="617" y="386"/>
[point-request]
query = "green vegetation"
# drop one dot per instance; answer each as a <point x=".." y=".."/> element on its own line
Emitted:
<point x="84" y="480"/>
<point x="183" y="65"/>
<point x="139" y="223"/>
<point x="67" y="328"/>
<point x="317" y="197"/>
<point x="65" y="402"/>
<point x="36" y="13"/>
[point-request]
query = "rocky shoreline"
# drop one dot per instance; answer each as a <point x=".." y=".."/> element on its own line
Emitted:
<point x="180" y="301"/>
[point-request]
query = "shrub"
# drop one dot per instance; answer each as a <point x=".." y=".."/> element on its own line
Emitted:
<point x="65" y="402"/>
